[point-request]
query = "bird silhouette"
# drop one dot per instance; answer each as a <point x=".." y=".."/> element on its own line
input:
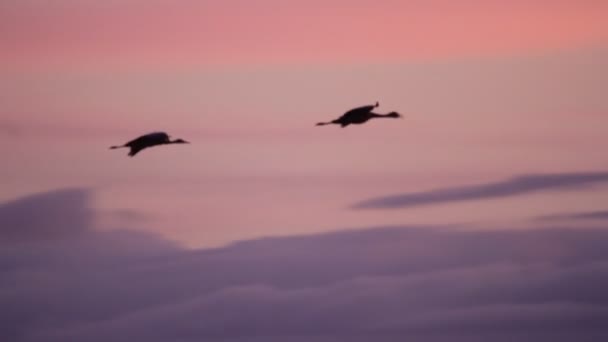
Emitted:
<point x="149" y="140"/>
<point x="359" y="115"/>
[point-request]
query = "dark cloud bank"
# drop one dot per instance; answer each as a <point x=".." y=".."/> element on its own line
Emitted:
<point x="516" y="186"/>
<point x="62" y="281"/>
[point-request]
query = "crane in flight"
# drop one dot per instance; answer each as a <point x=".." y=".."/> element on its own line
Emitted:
<point x="359" y="115"/>
<point x="149" y="140"/>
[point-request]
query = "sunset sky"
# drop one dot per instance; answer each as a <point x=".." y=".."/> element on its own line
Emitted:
<point x="268" y="228"/>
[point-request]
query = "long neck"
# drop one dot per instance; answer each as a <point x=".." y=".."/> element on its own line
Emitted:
<point x="376" y="115"/>
<point x="328" y="123"/>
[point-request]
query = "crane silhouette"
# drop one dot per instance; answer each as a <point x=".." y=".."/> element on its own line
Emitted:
<point x="149" y="140"/>
<point x="359" y="115"/>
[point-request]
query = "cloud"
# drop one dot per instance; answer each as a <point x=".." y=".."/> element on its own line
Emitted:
<point x="129" y="215"/>
<point x="516" y="186"/>
<point x="588" y="215"/>
<point x="43" y="216"/>
<point x="382" y="284"/>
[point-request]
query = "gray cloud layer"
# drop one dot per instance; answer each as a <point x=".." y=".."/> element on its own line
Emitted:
<point x="521" y="185"/>
<point x="385" y="284"/>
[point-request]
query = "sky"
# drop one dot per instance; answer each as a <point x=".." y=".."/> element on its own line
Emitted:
<point x="502" y="139"/>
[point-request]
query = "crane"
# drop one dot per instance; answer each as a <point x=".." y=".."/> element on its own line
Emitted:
<point x="359" y="115"/>
<point x="149" y="140"/>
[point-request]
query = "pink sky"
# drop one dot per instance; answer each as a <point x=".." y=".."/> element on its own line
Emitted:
<point x="489" y="89"/>
<point x="181" y="33"/>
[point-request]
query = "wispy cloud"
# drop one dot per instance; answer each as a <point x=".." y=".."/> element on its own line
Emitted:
<point x="383" y="284"/>
<point x="128" y="215"/>
<point x="516" y="186"/>
<point x="587" y="215"/>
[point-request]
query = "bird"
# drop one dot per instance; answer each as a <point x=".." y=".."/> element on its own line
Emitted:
<point x="149" y="140"/>
<point x="359" y="115"/>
